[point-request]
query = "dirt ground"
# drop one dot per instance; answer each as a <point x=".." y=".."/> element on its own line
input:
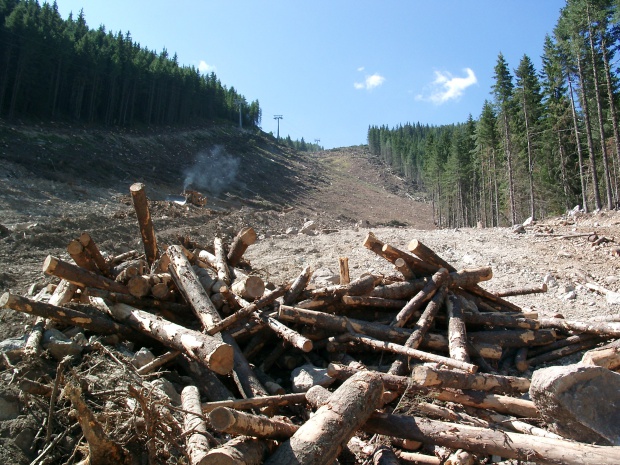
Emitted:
<point x="57" y="182"/>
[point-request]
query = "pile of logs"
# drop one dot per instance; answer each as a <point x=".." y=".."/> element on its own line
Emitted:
<point x="421" y="366"/>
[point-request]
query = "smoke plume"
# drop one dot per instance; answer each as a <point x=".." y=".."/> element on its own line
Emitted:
<point x="213" y="171"/>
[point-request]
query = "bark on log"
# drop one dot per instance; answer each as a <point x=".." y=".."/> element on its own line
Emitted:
<point x="360" y="286"/>
<point x="188" y="284"/>
<point x="223" y="271"/>
<point x="211" y="352"/>
<point x="424" y="295"/>
<point x="123" y="257"/>
<point x="416" y="458"/>
<point x="602" y="329"/>
<point x="513" y="337"/>
<point x="485" y="441"/>
<point x="98" y="323"/>
<point x="470" y="277"/>
<point x="81" y="257"/>
<point x="384" y="455"/>
<point x="401" y="290"/>
<point x="433" y="377"/>
<point x="366" y="301"/>
<point x="322" y="437"/>
<point x="500" y="319"/>
<point x="256" y="402"/>
<point x="457" y="333"/>
<point x="537" y="289"/>
<point x="194" y="427"/>
<point x="244" y="238"/>
<point x="500" y="403"/>
<point x="90" y="245"/>
<point x="79" y="276"/>
<point x="227" y="420"/>
<point x="140" y="204"/>
<point x="428" y="255"/>
<point x="400" y="365"/>
<point x="240" y="451"/>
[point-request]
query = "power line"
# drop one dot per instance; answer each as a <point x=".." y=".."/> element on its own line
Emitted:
<point x="278" y="117"/>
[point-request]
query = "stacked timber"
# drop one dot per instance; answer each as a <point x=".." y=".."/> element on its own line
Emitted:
<point x="421" y="366"/>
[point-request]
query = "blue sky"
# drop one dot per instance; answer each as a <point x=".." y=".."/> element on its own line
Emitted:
<point x="332" y="68"/>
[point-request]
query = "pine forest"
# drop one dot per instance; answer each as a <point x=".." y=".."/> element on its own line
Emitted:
<point x="545" y="141"/>
<point x="55" y="69"/>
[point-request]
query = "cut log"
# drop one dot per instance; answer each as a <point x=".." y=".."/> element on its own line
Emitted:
<point x="360" y="286"/>
<point x="424" y="295"/>
<point x="416" y="458"/>
<point x="321" y="439"/>
<point x="194" y="427"/>
<point x="80" y="256"/>
<point x="485" y="441"/>
<point x="207" y="381"/>
<point x="381" y="303"/>
<point x="90" y="245"/>
<point x="128" y="299"/>
<point x="247" y="311"/>
<point x="401" y="265"/>
<point x="384" y="455"/>
<point x="286" y="333"/>
<point x="428" y="255"/>
<point x="537" y="289"/>
<point x="257" y="402"/>
<point x="227" y="420"/>
<point x="79" y="276"/>
<point x="249" y="287"/>
<point x="432" y="377"/>
<point x="500" y="319"/>
<point x="123" y="257"/>
<point x="600" y="328"/>
<point x="240" y="451"/>
<point x="158" y="362"/>
<point x="514" y="337"/>
<point x="470" y="277"/>
<point x="400" y="366"/>
<point x="140" y="204"/>
<point x="457" y="333"/>
<point x="244" y="238"/>
<point x="343" y="265"/>
<point x="188" y="284"/>
<point x="400" y="384"/>
<point x="68" y="316"/>
<point x="213" y="353"/>
<point x="607" y="356"/>
<point x="578" y="346"/>
<point x="391" y="254"/>
<point x="402" y="350"/>
<point x="298" y="285"/>
<point x="139" y="286"/>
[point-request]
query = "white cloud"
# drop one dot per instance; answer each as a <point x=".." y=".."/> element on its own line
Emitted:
<point x="446" y="87"/>
<point x="204" y="68"/>
<point x="370" y="82"/>
<point x="360" y="69"/>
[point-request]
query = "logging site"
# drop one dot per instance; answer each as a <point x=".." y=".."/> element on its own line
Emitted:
<point x="213" y="297"/>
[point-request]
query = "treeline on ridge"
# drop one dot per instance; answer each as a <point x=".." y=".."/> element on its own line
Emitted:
<point x="546" y="141"/>
<point x="60" y="69"/>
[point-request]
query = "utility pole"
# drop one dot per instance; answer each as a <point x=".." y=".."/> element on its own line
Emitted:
<point x="278" y="117"/>
<point x="239" y="102"/>
<point x="316" y="141"/>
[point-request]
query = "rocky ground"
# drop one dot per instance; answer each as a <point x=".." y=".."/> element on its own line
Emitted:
<point x="57" y="182"/>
